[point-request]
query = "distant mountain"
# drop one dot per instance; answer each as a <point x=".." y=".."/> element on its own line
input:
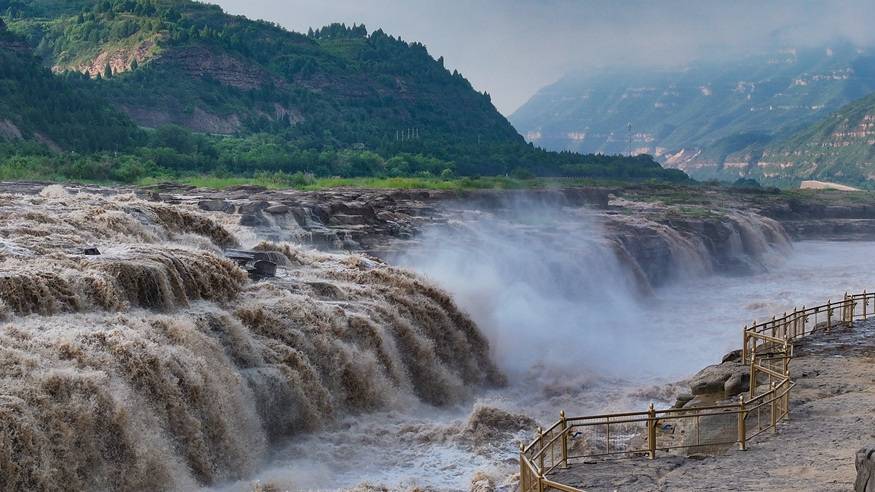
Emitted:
<point x="695" y="117"/>
<point x="840" y="148"/>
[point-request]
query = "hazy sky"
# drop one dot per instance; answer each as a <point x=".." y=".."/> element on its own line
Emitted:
<point x="511" y="48"/>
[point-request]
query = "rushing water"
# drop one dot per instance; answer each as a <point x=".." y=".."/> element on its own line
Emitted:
<point x="158" y="365"/>
<point x="680" y="330"/>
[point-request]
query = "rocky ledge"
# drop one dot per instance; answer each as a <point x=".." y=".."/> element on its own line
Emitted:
<point x="657" y="240"/>
<point x="657" y="231"/>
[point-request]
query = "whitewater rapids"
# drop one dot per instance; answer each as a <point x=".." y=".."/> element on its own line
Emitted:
<point x="158" y="365"/>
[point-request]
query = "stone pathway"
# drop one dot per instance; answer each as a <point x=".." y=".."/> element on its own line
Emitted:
<point x="832" y="416"/>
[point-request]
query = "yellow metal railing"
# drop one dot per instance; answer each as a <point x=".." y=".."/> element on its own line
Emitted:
<point x="767" y="349"/>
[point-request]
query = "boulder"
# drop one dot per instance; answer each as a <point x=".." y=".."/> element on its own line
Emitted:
<point x="713" y="379"/>
<point x="734" y="356"/>
<point x="682" y="400"/>
<point x="214" y="205"/>
<point x="277" y="209"/>
<point x="253" y="207"/>
<point x="252" y="220"/>
<point x="865" y="470"/>
<point x="736" y="385"/>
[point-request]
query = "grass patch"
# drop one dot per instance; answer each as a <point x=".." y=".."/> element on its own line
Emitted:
<point x="309" y="183"/>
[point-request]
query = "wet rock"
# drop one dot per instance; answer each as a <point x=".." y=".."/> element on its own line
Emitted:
<point x="865" y="464"/>
<point x="214" y="205"/>
<point x="345" y="219"/>
<point x="482" y="483"/>
<point x="277" y="209"/>
<point x="488" y="425"/>
<point x="252" y="220"/>
<point x="253" y="207"/>
<point x="351" y="245"/>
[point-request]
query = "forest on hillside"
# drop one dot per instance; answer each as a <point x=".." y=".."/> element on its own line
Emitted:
<point x="336" y="101"/>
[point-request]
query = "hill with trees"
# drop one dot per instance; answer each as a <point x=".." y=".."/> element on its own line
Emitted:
<point x="188" y="88"/>
<point x="839" y="148"/>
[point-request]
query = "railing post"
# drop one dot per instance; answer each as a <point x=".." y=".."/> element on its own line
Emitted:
<point x="865" y="304"/>
<point x="828" y="315"/>
<point x="541" y="452"/>
<point x="753" y="375"/>
<point x="742" y="431"/>
<point x="564" y="430"/>
<point x="774" y="409"/>
<point x="846" y="312"/>
<point x="523" y="471"/>
<point x="744" y="345"/>
<point x="651" y="431"/>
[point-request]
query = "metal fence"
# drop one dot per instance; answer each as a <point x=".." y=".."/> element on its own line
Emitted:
<point x="767" y="350"/>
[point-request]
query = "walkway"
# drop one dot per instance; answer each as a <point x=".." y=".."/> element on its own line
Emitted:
<point x="832" y="415"/>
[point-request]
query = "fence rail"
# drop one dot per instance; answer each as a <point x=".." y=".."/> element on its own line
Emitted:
<point x="767" y="349"/>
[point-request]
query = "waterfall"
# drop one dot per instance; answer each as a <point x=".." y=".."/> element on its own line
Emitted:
<point x="562" y="290"/>
<point x="157" y="364"/>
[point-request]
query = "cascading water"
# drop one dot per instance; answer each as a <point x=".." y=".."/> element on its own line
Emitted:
<point x="157" y="365"/>
<point x="543" y="283"/>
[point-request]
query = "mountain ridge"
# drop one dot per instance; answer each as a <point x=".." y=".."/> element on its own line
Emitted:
<point x="697" y="116"/>
<point x="222" y="93"/>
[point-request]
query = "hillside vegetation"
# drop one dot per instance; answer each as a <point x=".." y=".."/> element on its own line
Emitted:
<point x="222" y="94"/>
<point x="840" y="148"/>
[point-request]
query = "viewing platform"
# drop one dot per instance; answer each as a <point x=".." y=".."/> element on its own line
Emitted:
<point x="800" y="431"/>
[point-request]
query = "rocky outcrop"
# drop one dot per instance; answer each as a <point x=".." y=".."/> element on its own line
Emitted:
<point x="200" y="62"/>
<point x="865" y="464"/>
<point x="120" y="60"/>
<point x="198" y="119"/>
<point x="724" y="380"/>
<point x="813" y="219"/>
<point x="8" y="130"/>
<point x="657" y="245"/>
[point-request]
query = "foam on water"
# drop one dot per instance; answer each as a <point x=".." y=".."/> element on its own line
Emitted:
<point x="157" y="365"/>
